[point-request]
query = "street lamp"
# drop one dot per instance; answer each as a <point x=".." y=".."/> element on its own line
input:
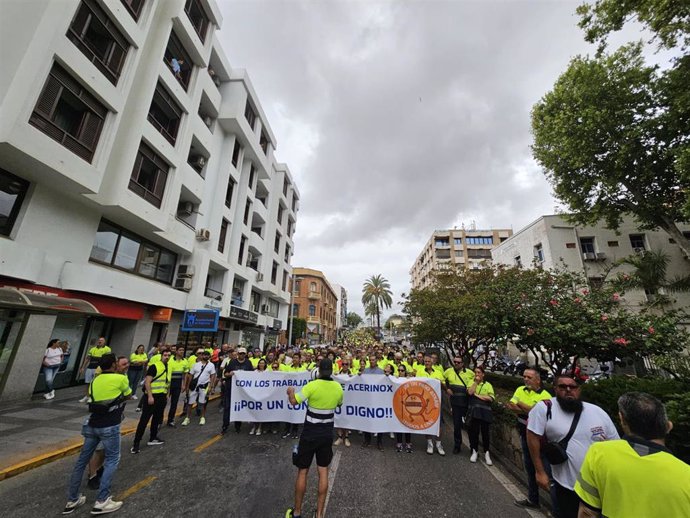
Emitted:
<point x="291" y="312"/>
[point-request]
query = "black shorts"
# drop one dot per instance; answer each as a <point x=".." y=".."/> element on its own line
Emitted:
<point x="307" y="448"/>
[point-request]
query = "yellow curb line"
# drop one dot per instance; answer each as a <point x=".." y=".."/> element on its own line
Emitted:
<point x="208" y="443"/>
<point x="45" y="458"/>
<point x="136" y="487"/>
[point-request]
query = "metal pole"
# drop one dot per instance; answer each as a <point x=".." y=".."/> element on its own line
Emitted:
<point x="290" y="313"/>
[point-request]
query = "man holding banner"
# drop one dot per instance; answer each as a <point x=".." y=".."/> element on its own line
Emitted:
<point x="323" y="396"/>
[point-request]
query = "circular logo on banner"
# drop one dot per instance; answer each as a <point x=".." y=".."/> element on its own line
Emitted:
<point x="416" y="405"/>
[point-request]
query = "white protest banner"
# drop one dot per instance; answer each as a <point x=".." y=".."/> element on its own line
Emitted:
<point x="371" y="403"/>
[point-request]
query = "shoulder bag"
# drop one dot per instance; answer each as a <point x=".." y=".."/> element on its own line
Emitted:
<point x="556" y="451"/>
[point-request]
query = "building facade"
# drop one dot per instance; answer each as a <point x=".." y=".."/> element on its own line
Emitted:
<point x="470" y="248"/>
<point x="137" y="180"/>
<point x="341" y="308"/>
<point x="551" y="242"/>
<point x="315" y="300"/>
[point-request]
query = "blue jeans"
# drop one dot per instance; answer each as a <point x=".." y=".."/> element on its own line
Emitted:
<point x="532" y="487"/>
<point x="110" y="437"/>
<point x="49" y="373"/>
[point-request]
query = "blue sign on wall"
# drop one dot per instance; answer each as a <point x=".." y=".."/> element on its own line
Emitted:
<point x="200" y="320"/>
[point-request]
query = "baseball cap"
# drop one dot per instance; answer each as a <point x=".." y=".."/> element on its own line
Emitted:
<point x="242" y="350"/>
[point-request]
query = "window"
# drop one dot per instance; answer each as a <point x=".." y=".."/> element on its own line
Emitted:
<point x="228" y="193"/>
<point x="276" y="243"/>
<point x="99" y="39"/>
<point x="223" y="234"/>
<point x="298" y="285"/>
<point x="295" y="310"/>
<point x="289" y="226"/>
<point x="165" y="114"/>
<point x="312" y="310"/>
<point x="176" y="51"/>
<point x="124" y="250"/>
<point x="479" y="240"/>
<point x="285" y="279"/>
<point x="198" y="17"/>
<point x="457" y="241"/>
<point x="637" y="242"/>
<point x="286" y="257"/>
<point x="479" y="253"/>
<point x="263" y="142"/>
<point x="587" y="245"/>
<point x="236" y="154"/>
<point x="312" y="287"/>
<point x="570" y="245"/>
<point x="237" y="292"/>
<point x="149" y="176"/>
<point x="134" y="7"/>
<point x="612" y="244"/>
<point x="518" y="261"/>
<point x="247" y="210"/>
<point x="250" y="115"/>
<point x="442" y="243"/>
<point x="285" y="186"/>
<point x="68" y="113"/>
<point x="458" y="253"/>
<point x="686" y="234"/>
<point x="294" y="202"/>
<point x="539" y="253"/>
<point x="243" y="244"/>
<point x="255" y="302"/>
<point x="252" y="172"/>
<point x="280" y="214"/>
<point x="274" y="273"/>
<point x="12" y="192"/>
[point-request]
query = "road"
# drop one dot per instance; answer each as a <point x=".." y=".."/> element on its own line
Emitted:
<point x="200" y="473"/>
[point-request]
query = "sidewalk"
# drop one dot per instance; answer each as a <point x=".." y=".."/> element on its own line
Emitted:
<point x="39" y="431"/>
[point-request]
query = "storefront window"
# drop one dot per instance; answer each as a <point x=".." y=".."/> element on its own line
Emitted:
<point x="127" y="252"/>
<point x="69" y="329"/>
<point x="10" y="327"/>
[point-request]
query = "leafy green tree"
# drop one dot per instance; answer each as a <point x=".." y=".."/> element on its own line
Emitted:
<point x="609" y="137"/>
<point x="299" y="328"/>
<point x="353" y="320"/>
<point x="376" y="292"/>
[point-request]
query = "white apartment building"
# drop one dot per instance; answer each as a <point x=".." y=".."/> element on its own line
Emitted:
<point x="341" y="307"/>
<point x="137" y="180"/>
<point x="470" y="248"/>
<point x="551" y="242"/>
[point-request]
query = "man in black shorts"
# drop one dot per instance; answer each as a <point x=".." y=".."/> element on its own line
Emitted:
<point x="323" y="396"/>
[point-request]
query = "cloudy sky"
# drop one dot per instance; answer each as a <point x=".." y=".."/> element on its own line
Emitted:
<point x="400" y="117"/>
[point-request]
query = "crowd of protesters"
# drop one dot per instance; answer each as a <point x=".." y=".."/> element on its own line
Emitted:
<point x="556" y="433"/>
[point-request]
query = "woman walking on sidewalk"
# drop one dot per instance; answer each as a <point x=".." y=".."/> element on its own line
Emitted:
<point x="52" y="360"/>
<point x="479" y="414"/>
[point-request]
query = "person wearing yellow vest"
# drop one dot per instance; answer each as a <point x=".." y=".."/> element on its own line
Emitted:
<point x="108" y="393"/>
<point x="90" y="364"/>
<point x="157" y="385"/>
<point x="481" y="394"/>
<point x="137" y="363"/>
<point x="636" y="475"/>
<point x="521" y="403"/>
<point x="177" y="369"/>
<point x="458" y="379"/>
<point x="429" y="372"/>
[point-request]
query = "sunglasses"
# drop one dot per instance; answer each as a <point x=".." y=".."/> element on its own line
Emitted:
<point x="456" y="361"/>
<point x="563" y="386"/>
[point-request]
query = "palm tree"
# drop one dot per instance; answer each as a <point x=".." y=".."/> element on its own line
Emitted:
<point x="649" y="274"/>
<point x="377" y="292"/>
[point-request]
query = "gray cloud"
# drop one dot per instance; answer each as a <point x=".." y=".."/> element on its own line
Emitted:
<point x="397" y="118"/>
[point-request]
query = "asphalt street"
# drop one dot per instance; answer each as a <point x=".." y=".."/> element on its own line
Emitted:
<point x="202" y="474"/>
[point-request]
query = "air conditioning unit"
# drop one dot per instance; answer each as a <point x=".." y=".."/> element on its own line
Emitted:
<point x="601" y="256"/>
<point x="259" y="277"/>
<point x="183" y="284"/>
<point x="589" y="256"/>
<point x="185" y="208"/>
<point x="198" y="162"/>
<point x="203" y="234"/>
<point x="185" y="270"/>
<point x="264" y="308"/>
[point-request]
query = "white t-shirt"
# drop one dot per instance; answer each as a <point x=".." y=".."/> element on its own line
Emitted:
<point x="53" y="356"/>
<point x="594" y="425"/>
<point x="204" y="372"/>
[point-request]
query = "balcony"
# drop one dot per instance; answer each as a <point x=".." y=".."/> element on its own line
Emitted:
<point x="213" y="294"/>
<point x="313" y="320"/>
<point x="315" y="295"/>
<point x="236" y="300"/>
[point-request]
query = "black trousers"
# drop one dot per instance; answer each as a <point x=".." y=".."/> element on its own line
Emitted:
<point x="399" y="437"/>
<point x="458" y="413"/>
<point x="473" y="432"/>
<point x="175" y="390"/>
<point x="568" y="502"/>
<point x="379" y="438"/>
<point x="151" y="412"/>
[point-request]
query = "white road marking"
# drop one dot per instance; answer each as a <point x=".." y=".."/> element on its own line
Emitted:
<point x="331" y="478"/>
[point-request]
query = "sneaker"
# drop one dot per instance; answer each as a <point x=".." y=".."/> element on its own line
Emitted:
<point x="47" y="395"/>
<point x="285" y="435"/>
<point x="487" y="458"/>
<point x="185" y="422"/>
<point x="251" y="432"/>
<point x="258" y="431"/>
<point x="134" y="449"/>
<point x="347" y="442"/>
<point x="439" y="449"/>
<point x="138" y="409"/>
<point x="275" y="431"/>
<point x="398" y="448"/>
<point x="338" y="441"/>
<point x="172" y="424"/>
<point x="526" y="503"/>
<point x="108" y="506"/>
<point x="473" y="457"/>
<point x="391" y="435"/>
<point x="202" y="421"/>
<point x="295" y="435"/>
<point x="156" y="442"/>
<point x="134" y="398"/>
<point x="430" y="448"/>
<point x="71" y="506"/>
<point x="408" y="448"/>
<point x="85" y="399"/>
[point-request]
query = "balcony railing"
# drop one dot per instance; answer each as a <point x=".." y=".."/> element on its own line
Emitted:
<point x="314" y="295"/>
<point x="214" y="294"/>
<point x="236" y="300"/>
<point x="313" y="319"/>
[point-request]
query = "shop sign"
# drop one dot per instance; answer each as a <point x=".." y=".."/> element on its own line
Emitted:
<point x="161" y="314"/>
<point x="200" y="320"/>
<point x="243" y="314"/>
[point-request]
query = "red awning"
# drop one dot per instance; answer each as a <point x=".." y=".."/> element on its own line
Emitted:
<point x="18" y="298"/>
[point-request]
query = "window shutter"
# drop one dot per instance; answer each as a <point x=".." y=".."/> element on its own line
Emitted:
<point x="117" y="58"/>
<point x="49" y="96"/>
<point x="90" y="130"/>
